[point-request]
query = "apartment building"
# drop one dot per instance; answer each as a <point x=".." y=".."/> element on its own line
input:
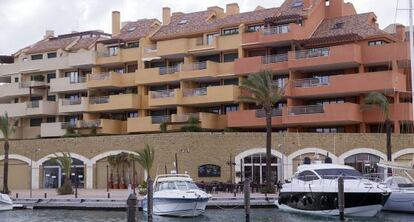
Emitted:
<point x="151" y="73"/>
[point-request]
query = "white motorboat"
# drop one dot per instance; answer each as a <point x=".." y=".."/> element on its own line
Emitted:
<point x="5" y="202"/>
<point x="177" y="195"/>
<point x="402" y="195"/>
<point x="314" y="190"/>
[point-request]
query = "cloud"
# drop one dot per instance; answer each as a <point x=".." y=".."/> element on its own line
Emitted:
<point x="23" y="22"/>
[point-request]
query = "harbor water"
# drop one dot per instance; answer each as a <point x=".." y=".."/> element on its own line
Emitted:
<point x="237" y="215"/>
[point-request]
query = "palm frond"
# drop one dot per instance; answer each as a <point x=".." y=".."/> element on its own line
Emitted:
<point x="145" y="157"/>
<point x="376" y="99"/>
<point x="7" y="126"/>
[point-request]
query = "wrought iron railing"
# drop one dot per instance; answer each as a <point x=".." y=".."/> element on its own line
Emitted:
<point x="99" y="100"/>
<point x="77" y="80"/>
<point x="311" y="53"/>
<point x="169" y="69"/>
<point x="181" y="118"/>
<point x="194" y="66"/>
<point x="195" y="92"/>
<point x="160" y="119"/>
<point x="71" y="102"/>
<point x="301" y="110"/>
<point x="33" y="104"/>
<point x="261" y="113"/>
<point x="312" y="82"/>
<point x="276" y="30"/>
<point x="90" y="123"/>
<point x="168" y="93"/>
<point x="274" y="58"/>
<point x="100" y="76"/>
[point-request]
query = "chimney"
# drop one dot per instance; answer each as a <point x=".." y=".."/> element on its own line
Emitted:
<point x="116" y="23"/>
<point x="219" y="11"/>
<point x="336" y="8"/>
<point x="232" y="9"/>
<point x="166" y="16"/>
<point x="400" y="32"/>
<point x="307" y="4"/>
<point x="49" y="34"/>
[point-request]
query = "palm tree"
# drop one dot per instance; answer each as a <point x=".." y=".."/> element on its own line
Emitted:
<point x="264" y="93"/>
<point x="380" y="100"/>
<point x="7" y="128"/>
<point x="132" y="158"/>
<point x="145" y="158"/>
<point x="65" y="162"/>
<point x="112" y="163"/>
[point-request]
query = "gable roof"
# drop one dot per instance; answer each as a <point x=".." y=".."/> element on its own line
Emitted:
<point x="199" y="22"/>
<point x="137" y="30"/>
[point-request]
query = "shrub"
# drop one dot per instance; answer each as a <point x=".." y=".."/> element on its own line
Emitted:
<point x="163" y="127"/>
<point x="191" y="128"/>
<point x="66" y="188"/>
<point x="94" y="131"/>
<point x="272" y="190"/>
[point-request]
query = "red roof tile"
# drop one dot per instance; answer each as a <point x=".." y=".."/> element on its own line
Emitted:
<point x="137" y="30"/>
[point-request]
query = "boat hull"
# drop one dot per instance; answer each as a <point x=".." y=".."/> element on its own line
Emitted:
<point x="177" y="207"/>
<point x="400" y="202"/>
<point x="356" y="204"/>
<point x="5" y="202"/>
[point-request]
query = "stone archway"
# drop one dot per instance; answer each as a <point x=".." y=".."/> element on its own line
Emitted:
<point x="295" y="159"/>
<point x="21" y="168"/>
<point x="365" y="160"/>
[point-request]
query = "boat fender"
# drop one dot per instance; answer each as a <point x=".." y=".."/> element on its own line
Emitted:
<point x="304" y="198"/>
<point x="336" y="201"/>
<point x="310" y="200"/>
<point x="324" y="200"/>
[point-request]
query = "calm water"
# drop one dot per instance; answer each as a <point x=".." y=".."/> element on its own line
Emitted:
<point x="260" y="215"/>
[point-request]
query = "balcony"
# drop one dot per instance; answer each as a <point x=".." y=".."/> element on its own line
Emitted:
<point x="275" y="34"/>
<point x="349" y="84"/>
<point x="253" y="118"/>
<point x="164" y="98"/>
<point x="122" y="56"/>
<point x="37" y="108"/>
<point x="150" y="51"/>
<point x="13" y="109"/>
<point x="114" y="102"/>
<point x="103" y="126"/>
<point x="53" y="129"/>
<point x="219" y="43"/>
<point x="211" y="95"/>
<point x="385" y="53"/>
<point x="21" y="89"/>
<point x="172" y="47"/>
<point x="398" y="112"/>
<point x="68" y="85"/>
<point x="276" y="63"/>
<point x="341" y="56"/>
<point x="208" y="121"/>
<point x="157" y="75"/>
<point x="66" y="61"/>
<point x="199" y="69"/>
<point x="78" y="105"/>
<point x="146" y="124"/>
<point x="110" y="80"/>
<point x="330" y="114"/>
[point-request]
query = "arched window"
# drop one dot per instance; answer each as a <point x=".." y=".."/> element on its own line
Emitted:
<point x="209" y="170"/>
<point x="54" y="177"/>
<point x="365" y="163"/>
<point x="254" y="168"/>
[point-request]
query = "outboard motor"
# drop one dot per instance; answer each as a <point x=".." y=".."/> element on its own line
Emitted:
<point x="306" y="161"/>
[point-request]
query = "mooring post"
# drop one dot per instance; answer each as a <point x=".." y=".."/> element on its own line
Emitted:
<point x="246" y="190"/>
<point x="150" y="201"/>
<point x="45" y="195"/>
<point x="109" y="195"/>
<point x="132" y="208"/>
<point x="341" y="198"/>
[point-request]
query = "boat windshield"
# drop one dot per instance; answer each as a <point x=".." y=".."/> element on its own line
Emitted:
<point x="335" y="173"/>
<point x="175" y="185"/>
<point x="401" y="182"/>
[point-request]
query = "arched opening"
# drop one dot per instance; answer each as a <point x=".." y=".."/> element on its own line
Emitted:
<point x="19" y="174"/>
<point x="254" y="168"/>
<point x="53" y="176"/>
<point x="297" y="161"/>
<point x="406" y="158"/>
<point x="366" y="163"/>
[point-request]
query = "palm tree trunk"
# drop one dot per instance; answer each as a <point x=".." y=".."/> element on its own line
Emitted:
<point x="268" y="148"/>
<point x="6" y="167"/>
<point x="388" y="131"/>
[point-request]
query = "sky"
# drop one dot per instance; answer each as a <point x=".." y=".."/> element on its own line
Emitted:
<point x="23" y="22"/>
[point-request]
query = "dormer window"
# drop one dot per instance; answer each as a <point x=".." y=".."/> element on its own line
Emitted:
<point x="183" y="22"/>
<point x="51" y="55"/>
<point x="338" y="25"/>
<point x="376" y="42"/>
<point x="131" y="29"/>
<point x="36" y="57"/>
<point x="231" y="31"/>
<point x="297" y="3"/>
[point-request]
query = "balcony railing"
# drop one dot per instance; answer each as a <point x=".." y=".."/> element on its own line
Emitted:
<point x="274" y="58"/>
<point x="312" y="53"/>
<point x="90" y="123"/>
<point x="185" y="117"/>
<point x="67" y="125"/>
<point x="168" y="93"/>
<point x="71" y="102"/>
<point x="276" y="30"/>
<point x="150" y="49"/>
<point x="194" y="66"/>
<point x="160" y="119"/>
<point x="301" y="110"/>
<point x="33" y="104"/>
<point x="28" y="84"/>
<point x="261" y="113"/>
<point x="195" y="92"/>
<point x="99" y="100"/>
<point x="312" y="82"/>
<point x="101" y="76"/>
<point x="169" y="70"/>
<point x="77" y="80"/>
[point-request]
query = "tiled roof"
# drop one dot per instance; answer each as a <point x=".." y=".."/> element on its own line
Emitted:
<point x="199" y="22"/>
<point x="137" y="30"/>
<point x="85" y="43"/>
<point x="51" y="44"/>
<point x="360" y="24"/>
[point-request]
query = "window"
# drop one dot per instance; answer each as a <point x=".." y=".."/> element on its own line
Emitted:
<point x="25" y="59"/>
<point x="132" y="68"/>
<point x="230" y="57"/>
<point x="328" y="130"/>
<point x="232" y="31"/>
<point x="51" y="55"/>
<point x="183" y="22"/>
<point x="307" y="176"/>
<point x="113" y="51"/>
<point x="377" y="42"/>
<point x="73" y="77"/>
<point x="16" y="100"/>
<point x="132" y="114"/>
<point x="254" y="28"/>
<point x="338" y="25"/>
<point x="34" y="122"/>
<point x="210" y="38"/>
<point x="231" y="108"/>
<point x="50" y="76"/>
<point x="335" y="173"/>
<point x="209" y="170"/>
<point x="297" y="3"/>
<point x="51" y="98"/>
<point x="130" y="45"/>
<point x="37" y="57"/>
<point x="16" y="79"/>
<point x="51" y="119"/>
<point x="39" y="78"/>
<point x="231" y="82"/>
